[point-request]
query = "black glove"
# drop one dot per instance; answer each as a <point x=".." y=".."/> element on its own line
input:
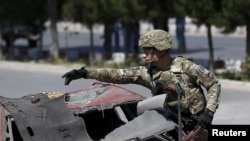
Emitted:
<point x="206" y="118"/>
<point x="157" y="89"/>
<point x="74" y="74"/>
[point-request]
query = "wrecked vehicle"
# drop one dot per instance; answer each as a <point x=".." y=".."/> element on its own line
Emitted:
<point x="101" y="112"/>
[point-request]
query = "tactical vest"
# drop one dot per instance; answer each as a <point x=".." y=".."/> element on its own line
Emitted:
<point x="193" y="99"/>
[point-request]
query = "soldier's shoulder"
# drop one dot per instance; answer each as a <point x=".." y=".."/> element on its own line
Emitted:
<point x="182" y="64"/>
<point x="138" y="67"/>
<point x="181" y="58"/>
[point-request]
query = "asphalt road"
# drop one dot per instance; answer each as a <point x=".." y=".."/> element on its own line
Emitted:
<point x="19" y="79"/>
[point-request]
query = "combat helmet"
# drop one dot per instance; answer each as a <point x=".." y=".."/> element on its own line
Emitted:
<point x="157" y="38"/>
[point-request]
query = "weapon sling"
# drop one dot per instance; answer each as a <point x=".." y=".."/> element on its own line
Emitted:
<point x="179" y="95"/>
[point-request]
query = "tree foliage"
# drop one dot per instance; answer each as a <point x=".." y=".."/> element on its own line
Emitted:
<point x="110" y="11"/>
<point x="205" y="12"/>
<point x="25" y="12"/>
<point x="236" y="13"/>
<point x="158" y="12"/>
<point x="83" y="11"/>
<point x="227" y="14"/>
<point x="233" y="13"/>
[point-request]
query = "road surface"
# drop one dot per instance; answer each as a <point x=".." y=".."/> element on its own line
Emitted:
<point x="19" y="79"/>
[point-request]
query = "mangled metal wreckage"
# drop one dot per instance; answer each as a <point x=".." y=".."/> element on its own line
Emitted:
<point x="101" y="112"/>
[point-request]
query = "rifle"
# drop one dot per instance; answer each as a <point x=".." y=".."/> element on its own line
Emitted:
<point x="180" y="93"/>
<point x="160" y="84"/>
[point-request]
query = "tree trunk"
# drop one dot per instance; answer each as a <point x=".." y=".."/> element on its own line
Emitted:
<point x="107" y="37"/>
<point x="1" y="47"/>
<point x="136" y="33"/>
<point x="92" y="51"/>
<point x="211" y="48"/>
<point x="10" y="43"/>
<point x="246" y="66"/>
<point x="53" y="27"/>
<point x="40" y="44"/>
<point x="248" y="40"/>
<point x="180" y="30"/>
<point x="132" y="35"/>
<point x="161" y="24"/>
<point x="127" y="38"/>
<point x="116" y="31"/>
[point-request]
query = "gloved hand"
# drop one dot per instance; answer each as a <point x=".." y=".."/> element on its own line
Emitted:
<point x="206" y="118"/>
<point x="74" y="74"/>
<point x="157" y="89"/>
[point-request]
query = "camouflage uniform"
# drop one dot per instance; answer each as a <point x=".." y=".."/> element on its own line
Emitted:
<point x="192" y="77"/>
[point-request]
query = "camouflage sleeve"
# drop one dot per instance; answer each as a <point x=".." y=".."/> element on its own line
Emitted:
<point x="134" y="75"/>
<point x="207" y="79"/>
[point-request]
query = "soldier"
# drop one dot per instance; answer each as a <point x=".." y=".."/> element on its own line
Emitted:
<point x="163" y="68"/>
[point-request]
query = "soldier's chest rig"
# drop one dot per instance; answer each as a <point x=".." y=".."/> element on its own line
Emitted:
<point x="193" y="99"/>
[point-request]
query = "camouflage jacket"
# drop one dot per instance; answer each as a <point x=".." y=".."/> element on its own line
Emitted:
<point x="192" y="77"/>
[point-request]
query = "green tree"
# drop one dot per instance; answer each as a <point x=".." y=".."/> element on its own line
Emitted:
<point x="236" y="13"/>
<point x="53" y="17"/>
<point x="180" y="10"/>
<point x="25" y="13"/>
<point x="132" y="14"/>
<point x="205" y="12"/>
<point x="110" y="11"/>
<point x="158" y="12"/>
<point x="54" y="9"/>
<point x="107" y="12"/>
<point x="2" y="12"/>
<point x="85" y="12"/>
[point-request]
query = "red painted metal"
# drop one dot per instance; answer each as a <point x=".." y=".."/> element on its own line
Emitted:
<point x="1" y="122"/>
<point x="113" y="94"/>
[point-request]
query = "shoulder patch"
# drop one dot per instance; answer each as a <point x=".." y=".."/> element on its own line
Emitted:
<point x="204" y="71"/>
